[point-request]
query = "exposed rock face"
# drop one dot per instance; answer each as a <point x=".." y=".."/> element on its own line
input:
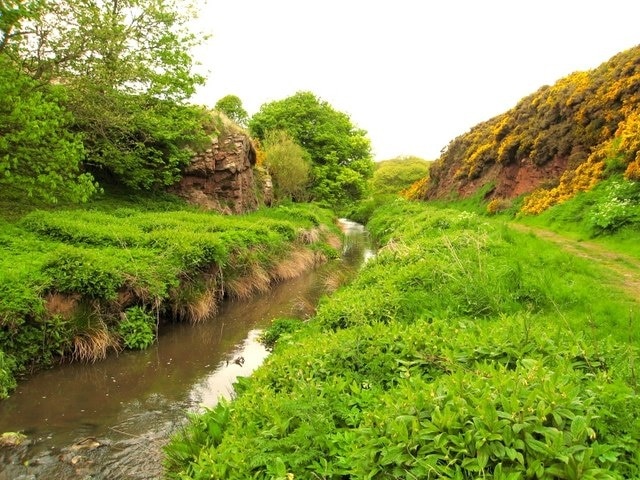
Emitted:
<point x="222" y="177"/>
<point x="509" y="180"/>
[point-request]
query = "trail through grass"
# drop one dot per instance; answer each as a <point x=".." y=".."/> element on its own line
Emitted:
<point x="624" y="269"/>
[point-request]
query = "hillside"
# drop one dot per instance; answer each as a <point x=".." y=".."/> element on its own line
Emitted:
<point x="396" y="174"/>
<point x="555" y="142"/>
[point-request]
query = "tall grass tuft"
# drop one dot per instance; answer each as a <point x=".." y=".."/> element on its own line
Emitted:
<point x="94" y="343"/>
<point x="292" y="266"/>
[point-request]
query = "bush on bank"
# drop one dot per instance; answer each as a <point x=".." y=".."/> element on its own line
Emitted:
<point x="78" y="283"/>
<point x="464" y="350"/>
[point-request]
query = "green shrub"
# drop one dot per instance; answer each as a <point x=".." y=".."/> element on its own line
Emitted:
<point x="137" y="329"/>
<point x="617" y="207"/>
<point x="36" y="343"/>
<point x="279" y="327"/>
<point x="289" y="165"/>
<point x="7" y="380"/>
<point x="393" y="176"/>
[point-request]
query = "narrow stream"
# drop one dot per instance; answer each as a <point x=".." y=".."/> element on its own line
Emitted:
<point x="110" y="420"/>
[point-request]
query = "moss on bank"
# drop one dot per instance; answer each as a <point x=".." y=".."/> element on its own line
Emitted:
<point x="464" y="350"/>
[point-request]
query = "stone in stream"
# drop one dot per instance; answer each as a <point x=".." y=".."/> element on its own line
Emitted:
<point x="12" y="439"/>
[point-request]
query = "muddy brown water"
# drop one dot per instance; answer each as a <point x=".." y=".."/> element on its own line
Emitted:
<point x="110" y="419"/>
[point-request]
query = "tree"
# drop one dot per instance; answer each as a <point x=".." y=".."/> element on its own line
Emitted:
<point x="39" y="156"/>
<point x="231" y="106"/>
<point x="288" y="164"/>
<point x="126" y="67"/>
<point x="340" y="153"/>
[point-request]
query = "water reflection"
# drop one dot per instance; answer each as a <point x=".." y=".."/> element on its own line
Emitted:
<point x="357" y="247"/>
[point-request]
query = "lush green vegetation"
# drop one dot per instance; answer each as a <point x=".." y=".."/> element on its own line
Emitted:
<point x="78" y="282"/>
<point x="289" y="166"/>
<point x="466" y="349"/>
<point x="590" y="119"/>
<point x="231" y="106"/>
<point x="609" y="214"/>
<point x="95" y="91"/>
<point x="391" y="178"/>
<point x="340" y="153"/>
<point x="397" y="174"/>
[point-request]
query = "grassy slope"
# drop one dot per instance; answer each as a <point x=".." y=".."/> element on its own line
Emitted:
<point x="466" y="349"/>
<point x="67" y="275"/>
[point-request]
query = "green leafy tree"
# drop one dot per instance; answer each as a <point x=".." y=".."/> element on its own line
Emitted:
<point x="231" y="106"/>
<point x="340" y="153"/>
<point x="127" y="70"/>
<point x="39" y="155"/>
<point x="13" y="14"/>
<point x="289" y="166"/>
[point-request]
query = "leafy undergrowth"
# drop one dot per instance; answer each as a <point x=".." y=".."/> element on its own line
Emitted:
<point x="608" y="214"/>
<point x="77" y="283"/>
<point x="464" y="350"/>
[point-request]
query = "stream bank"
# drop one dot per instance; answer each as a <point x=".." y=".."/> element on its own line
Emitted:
<point x="109" y="420"/>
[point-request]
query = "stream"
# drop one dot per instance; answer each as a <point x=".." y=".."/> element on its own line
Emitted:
<point x="110" y="419"/>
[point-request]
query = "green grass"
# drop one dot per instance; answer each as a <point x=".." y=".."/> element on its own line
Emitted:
<point x="65" y="270"/>
<point x="609" y="214"/>
<point x="465" y="350"/>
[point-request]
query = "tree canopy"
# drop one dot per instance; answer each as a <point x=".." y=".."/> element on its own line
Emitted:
<point x="125" y="73"/>
<point x="231" y="106"/>
<point x="39" y="155"/>
<point x="340" y="152"/>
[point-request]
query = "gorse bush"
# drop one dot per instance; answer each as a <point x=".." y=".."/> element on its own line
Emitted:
<point x="587" y="123"/>
<point x="463" y="350"/>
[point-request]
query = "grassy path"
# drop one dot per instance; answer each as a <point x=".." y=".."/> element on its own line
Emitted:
<point x="624" y="270"/>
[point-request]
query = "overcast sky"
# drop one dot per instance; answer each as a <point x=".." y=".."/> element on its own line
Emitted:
<point x="413" y="74"/>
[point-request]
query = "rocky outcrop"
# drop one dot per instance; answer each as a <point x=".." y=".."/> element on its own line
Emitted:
<point x="222" y="177"/>
<point x="508" y="181"/>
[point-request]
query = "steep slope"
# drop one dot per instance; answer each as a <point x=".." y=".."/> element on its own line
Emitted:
<point x="557" y="141"/>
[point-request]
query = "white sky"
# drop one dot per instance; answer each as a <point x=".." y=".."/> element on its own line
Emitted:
<point x="413" y="74"/>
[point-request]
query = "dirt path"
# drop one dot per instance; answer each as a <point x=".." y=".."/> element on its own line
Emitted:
<point x="624" y="269"/>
